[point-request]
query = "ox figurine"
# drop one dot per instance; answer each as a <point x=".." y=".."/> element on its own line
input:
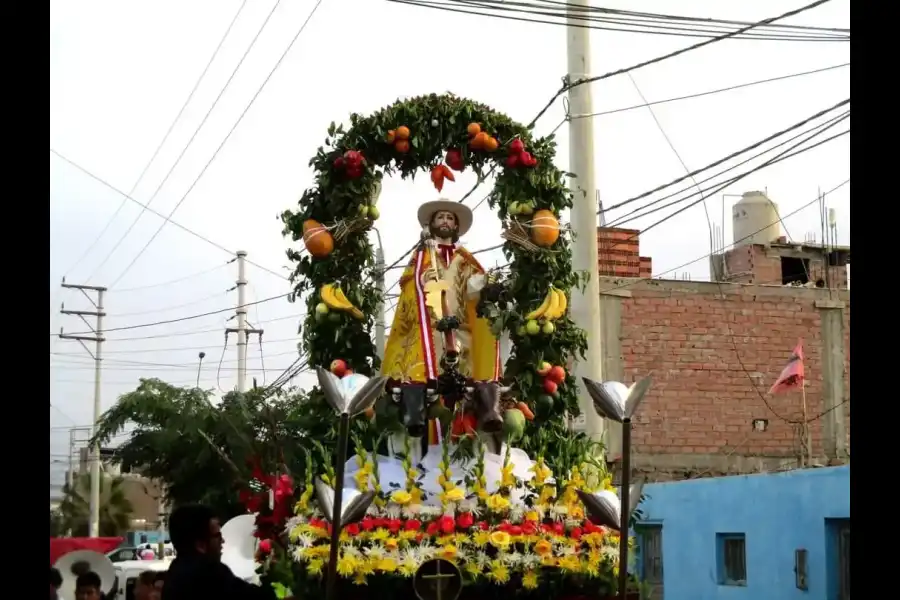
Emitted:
<point x="483" y="398"/>
<point x="414" y="399"/>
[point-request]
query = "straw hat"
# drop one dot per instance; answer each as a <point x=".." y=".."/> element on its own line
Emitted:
<point x="463" y="213"/>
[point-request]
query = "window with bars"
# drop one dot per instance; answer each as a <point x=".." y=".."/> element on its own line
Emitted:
<point x="651" y="553"/>
<point x="732" y="558"/>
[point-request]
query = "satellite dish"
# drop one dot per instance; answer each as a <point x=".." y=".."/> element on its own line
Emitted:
<point x="73" y="564"/>
<point x="239" y="547"/>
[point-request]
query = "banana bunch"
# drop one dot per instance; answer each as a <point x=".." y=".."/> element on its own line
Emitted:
<point x="553" y="307"/>
<point x="335" y="299"/>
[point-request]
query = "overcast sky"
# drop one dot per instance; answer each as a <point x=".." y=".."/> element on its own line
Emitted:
<point x="120" y="72"/>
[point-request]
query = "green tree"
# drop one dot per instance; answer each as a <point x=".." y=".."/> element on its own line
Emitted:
<point x="115" y="508"/>
<point x="202" y="451"/>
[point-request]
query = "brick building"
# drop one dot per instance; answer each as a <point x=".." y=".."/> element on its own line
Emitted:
<point x="715" y="348"/>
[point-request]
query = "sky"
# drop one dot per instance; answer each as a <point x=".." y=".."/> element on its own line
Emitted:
<point x="121" y="71"/>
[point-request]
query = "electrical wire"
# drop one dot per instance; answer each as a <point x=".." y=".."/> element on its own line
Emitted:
<point x="165" y="137"/>
<point x="171" y="307"/>
<point x="226" y="138"/>
<point x="114" y="361"/>
<point x="568" y="85"/>
<point x="711" y="92"/>
<point x="584" y="20"/>
<point x="174" y="281"/>
<point x="167" y="219"/>
<point x="188" y="145"/>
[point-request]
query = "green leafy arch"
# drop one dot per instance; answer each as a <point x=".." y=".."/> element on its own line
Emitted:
<point x="340" y="202"/>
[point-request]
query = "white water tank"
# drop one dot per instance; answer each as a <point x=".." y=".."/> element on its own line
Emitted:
<point x="755" y="220"/>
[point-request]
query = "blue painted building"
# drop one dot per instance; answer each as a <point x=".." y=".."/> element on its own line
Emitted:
<point x="781" y="536"/>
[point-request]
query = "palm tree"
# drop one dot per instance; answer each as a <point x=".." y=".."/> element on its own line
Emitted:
<point x="115" y="508"/>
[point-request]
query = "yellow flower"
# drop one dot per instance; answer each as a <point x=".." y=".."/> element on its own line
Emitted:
<point x="314" y="567"/>
<point x="500" y="539"/>
<point x="473" y="569"/>
<point x="347" y="566"/>
<point x="569" y="562"/>
<point x="498" y="571"/>
<point x="497" y="503"/>
<point x="543" y="548"/>
<point x="576" y="512"/>
<point x="408" y="569"/>
<point x="481" y="538"/>
<point x="359" y="579"/>
<point x="548" y="561"/>
<point x="388" y="565"/>
<point x="391" y="544"/>
<point x="401" y="497"/>
<point x="455" y="495"/>
<point x="448" y="552"/>
<point x="530" y="580"/>
<point x="532" y="515"/>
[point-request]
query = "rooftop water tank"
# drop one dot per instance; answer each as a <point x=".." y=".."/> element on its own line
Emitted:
<point x="755" y="220"/>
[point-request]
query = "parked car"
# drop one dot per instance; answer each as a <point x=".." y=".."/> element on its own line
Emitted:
<point x="122" y="554"/>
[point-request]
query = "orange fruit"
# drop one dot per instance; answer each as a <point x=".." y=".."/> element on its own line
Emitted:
<point x="402" y="132"/>
<point x="390" y="136"/>
<point x="480" y="140"/>
<point x="491" y="144"/>
<point x="401" y="146"/>
<point x="473" y="129"/>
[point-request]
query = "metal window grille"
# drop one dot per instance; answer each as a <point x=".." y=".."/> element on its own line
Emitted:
<point x="734" y="560"/>
<point x="844" y="557"/>
<point x="651" y="554"/>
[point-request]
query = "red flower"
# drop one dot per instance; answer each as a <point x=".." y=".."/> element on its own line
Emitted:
<point x="514" y="530"/>
<point x="559" y="529"/>
<point x="529" y="528"/>
<point x="575" y="533"/>
<point x="368" y="524"/>
<point x="412" y="525"/>
<point x="352" y="529"/>
<point x="483" y="525"/>
<point x="432" y="528"/>
<point x="447" y="524"/>
<point x="465" y="520"/>
<point x="394" y="525"/>
<point x="265" y="546"/>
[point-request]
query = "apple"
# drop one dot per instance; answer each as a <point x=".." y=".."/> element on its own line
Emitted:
<point x="374" y="213"/>
<point x="526" y="208"/>
<point x="550" y="386"/>
<point x="544" y="368"/>
<point x="532" y="327"/>
<point x="557" y="375"/>
<point x="514" y="208"/>
<point x="548" y="328"/>
<point x="520" y="331"/>
<point x="517" y="146"/>
<point x="321" y="308"/>
<point x="363" y="210"/>
<point x="339" y="367"/>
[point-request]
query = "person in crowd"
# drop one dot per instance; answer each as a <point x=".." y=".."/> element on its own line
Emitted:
<point x="87" y="587"/>
<point x="145" y="586"/>
<point x="55" y="583"/>
<point x="197" y="571"/>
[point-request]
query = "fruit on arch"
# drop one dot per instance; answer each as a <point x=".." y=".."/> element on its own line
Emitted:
<point x="318" y="240"/>
<point x="544" y="228"/>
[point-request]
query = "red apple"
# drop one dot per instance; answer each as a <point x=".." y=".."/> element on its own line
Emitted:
<point x="339" y="163"/>
<point x="339" y="367"/>
<point x="557" y="375"/>
<point x="526" y="159"/>
<point x="352" y="157"/>
<point x="549" y="386"/>
<point x="544" y="368"/>
<point x="512" y="161"/>
<point x="516" y="146"/>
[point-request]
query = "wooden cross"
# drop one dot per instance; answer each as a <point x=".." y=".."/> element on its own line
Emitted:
<point x="439" y="581"/>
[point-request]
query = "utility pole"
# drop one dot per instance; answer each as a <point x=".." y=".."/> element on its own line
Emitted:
<point x="242" y="330"/>
<point x="379" y="284"/>
<point x="585" y="307"/>
<point x="98" y="339"/>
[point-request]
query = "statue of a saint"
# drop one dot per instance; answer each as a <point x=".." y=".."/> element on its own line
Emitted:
<point x="415" y="347"/>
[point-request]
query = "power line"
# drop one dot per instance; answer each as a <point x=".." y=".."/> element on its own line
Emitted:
<point x="585" y="20"/>
<point x="710" y="92"/>
<point x="571" y="84"/>
<point x="165" y="137"/>
<point x="174" y="281"/>
<point x="189" y="143"/>
<point x="225" y="140"/>
<point x="167" y="219"/>
<point x="171" y="307"/>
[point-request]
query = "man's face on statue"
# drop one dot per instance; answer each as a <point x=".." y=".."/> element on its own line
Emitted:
<point x="443" y="225"/>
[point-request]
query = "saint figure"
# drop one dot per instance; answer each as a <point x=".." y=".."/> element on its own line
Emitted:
<point x="415" y="348"/>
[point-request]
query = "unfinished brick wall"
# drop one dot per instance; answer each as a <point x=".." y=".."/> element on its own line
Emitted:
<point x="712" y="356"/>
<point x="761" y="265"/>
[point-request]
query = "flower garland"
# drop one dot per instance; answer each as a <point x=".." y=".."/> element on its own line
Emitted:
<point x="493" y="540"/>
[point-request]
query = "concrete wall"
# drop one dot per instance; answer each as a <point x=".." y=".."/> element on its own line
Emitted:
<point x="714" y="350"/>
<point x="777" y="513"/>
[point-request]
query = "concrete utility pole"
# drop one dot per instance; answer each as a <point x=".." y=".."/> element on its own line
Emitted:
<point x="98" y="339"/>
<point x="585" y="307"/>
<point x="379" y="283"/>
<point x="242" y="330"/>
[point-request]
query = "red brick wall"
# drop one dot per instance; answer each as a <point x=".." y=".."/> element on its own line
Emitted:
<point x="702" y="401"/>
<point x="761" y="265"/>
<point x="618" y="253"/>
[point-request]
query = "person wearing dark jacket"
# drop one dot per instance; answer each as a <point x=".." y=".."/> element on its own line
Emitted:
<point x="197" y="571"/>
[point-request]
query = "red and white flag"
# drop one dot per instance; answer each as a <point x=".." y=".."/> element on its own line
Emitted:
<point x="792" y="375"/>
